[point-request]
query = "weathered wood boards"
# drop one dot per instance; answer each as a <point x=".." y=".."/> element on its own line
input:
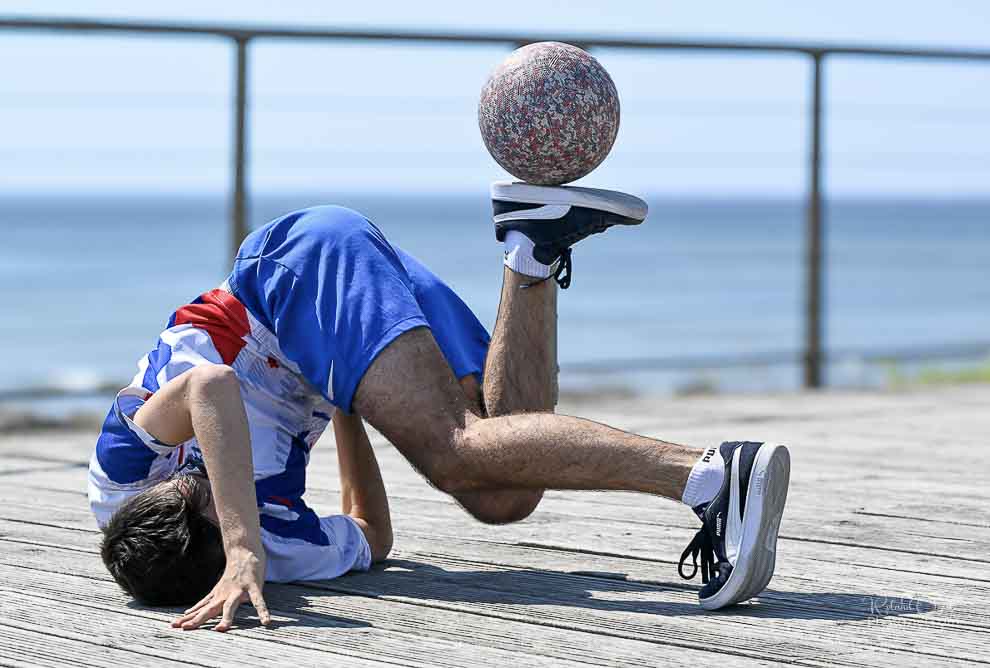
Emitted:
<point x="882" y="559"/>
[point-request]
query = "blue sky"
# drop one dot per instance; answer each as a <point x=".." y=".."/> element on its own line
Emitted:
<point x="111" y="114"/>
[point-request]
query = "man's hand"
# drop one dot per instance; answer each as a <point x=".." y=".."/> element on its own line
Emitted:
<point x="205" y="402"/>
<point x="241" y="582"/>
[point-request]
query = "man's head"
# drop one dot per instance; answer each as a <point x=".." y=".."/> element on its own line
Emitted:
<point x="162" y="546"/>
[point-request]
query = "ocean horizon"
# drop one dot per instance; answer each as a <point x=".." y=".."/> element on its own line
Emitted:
<point x="705" y="295"/>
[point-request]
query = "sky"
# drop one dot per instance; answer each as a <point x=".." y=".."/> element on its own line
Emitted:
<point x="97" y="114"/>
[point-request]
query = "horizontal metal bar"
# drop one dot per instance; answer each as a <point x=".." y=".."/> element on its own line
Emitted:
<point x="245" y="32"/>
<point x="950" y="352"/>
<point x="947" y="352"/>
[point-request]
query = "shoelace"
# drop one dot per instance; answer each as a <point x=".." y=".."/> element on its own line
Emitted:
<point x="700" y="545"/>
<point x="562" y="273"/>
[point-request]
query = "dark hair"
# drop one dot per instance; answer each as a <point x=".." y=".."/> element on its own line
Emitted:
<point x="161" y="549"/>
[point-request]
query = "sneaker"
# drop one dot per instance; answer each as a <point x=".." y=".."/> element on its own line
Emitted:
<point x="557" y="217"/>
<point x="737" y="542"/>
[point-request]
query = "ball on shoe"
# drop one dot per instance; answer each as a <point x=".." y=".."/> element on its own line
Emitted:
<point x="549" y="113"/>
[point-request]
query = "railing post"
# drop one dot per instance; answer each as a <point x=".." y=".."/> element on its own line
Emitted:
<point x="814" y="238"/>
<point x="238" y="204"/>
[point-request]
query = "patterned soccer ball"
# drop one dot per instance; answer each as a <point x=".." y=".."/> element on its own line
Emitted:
<point x="549" y="113"/>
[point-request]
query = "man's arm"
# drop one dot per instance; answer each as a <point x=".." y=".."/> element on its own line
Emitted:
<point x="362" y="492"/>
<point x="205" y="402"/>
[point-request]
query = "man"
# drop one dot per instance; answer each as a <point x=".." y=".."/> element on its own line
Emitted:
<point x="321" y="313"/>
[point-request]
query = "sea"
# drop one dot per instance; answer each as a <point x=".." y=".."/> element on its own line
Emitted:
<point x="705" y="296"/>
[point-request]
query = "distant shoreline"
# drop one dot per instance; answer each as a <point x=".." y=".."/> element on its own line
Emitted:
<point x="604" y="369"/>
<point x="24" y="422"/>
<point x="705" y="298"/>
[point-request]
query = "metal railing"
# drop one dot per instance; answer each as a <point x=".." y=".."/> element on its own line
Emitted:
<point x="242" y="35"/>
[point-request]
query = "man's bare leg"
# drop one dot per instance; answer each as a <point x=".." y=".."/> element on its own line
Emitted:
<point x="520" y="377"/>
<point x="411" y="396"/>
<point x="521" y="370"/>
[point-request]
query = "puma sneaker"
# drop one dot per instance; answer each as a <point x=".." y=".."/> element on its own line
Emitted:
<point x="737" y="542"/>
<point x="557" y="217"/>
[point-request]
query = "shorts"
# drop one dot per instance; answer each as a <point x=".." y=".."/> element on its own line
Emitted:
<point x="335" y="293"/>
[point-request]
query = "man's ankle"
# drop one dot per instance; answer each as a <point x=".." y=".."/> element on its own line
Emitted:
<point x="705" y="478"/>
<point x="519" y="256"/>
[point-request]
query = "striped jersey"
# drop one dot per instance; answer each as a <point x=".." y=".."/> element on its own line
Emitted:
<point x="313" y="297"/>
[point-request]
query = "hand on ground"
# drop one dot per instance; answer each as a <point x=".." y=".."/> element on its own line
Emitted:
<point x="241" y="582"/>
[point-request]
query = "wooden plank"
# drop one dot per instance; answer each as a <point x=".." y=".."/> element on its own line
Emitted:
<point x="543" y="645"/>
<point x="886" y="501"/>
<point x="643" y="541"/>
<point x="808" y="518"/>
<point x="869" y="525"/>
<point x="420" y="613"/>
<point x="77" y="619"/>
<point x="843" y="454"/>
<point x="855" y="584"/>
<point x="906" y="415"/>
<point x="302" y="635"/>
<point x="630" y="610"/>
<point x="848" y="589"/>
<point x="845" y="466"/>
<point x="729" y="640"/>
<point x="42" y="646"/>
<point x="891" y="494"/>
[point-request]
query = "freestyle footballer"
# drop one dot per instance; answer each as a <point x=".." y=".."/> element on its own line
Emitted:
<point x="199" y="473"/>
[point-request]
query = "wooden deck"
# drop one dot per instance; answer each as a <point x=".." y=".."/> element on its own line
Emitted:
<point x="882" y="559"/>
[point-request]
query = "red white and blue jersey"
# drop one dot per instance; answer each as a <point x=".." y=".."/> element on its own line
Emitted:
<point x="314" y="296"/>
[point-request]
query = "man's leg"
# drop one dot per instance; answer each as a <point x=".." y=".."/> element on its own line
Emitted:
<point x="521" y="369"/>
<point x="410" y="395"/>
<point x="520" y="377"/>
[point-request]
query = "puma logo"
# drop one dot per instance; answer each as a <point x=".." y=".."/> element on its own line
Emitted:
<point x="708" y="455"/>
<point x="718" y="525"/>
<point x="760" y="482"/>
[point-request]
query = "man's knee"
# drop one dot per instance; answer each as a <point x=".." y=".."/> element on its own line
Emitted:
<point x="450" y="463"/>
<point x="457" y="461"/>
<point x="500" y="507"/>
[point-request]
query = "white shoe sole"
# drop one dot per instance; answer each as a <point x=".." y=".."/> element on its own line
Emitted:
<point x="765" y="501"/>
<point x="621" y="204"/>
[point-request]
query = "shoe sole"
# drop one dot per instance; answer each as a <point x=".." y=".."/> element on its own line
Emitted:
<point x="621" y="204"/>
<point x="765" y="501"/>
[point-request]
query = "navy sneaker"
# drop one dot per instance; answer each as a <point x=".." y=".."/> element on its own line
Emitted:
<point x="557" y="217"/>
<point x="737" y="542"/>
